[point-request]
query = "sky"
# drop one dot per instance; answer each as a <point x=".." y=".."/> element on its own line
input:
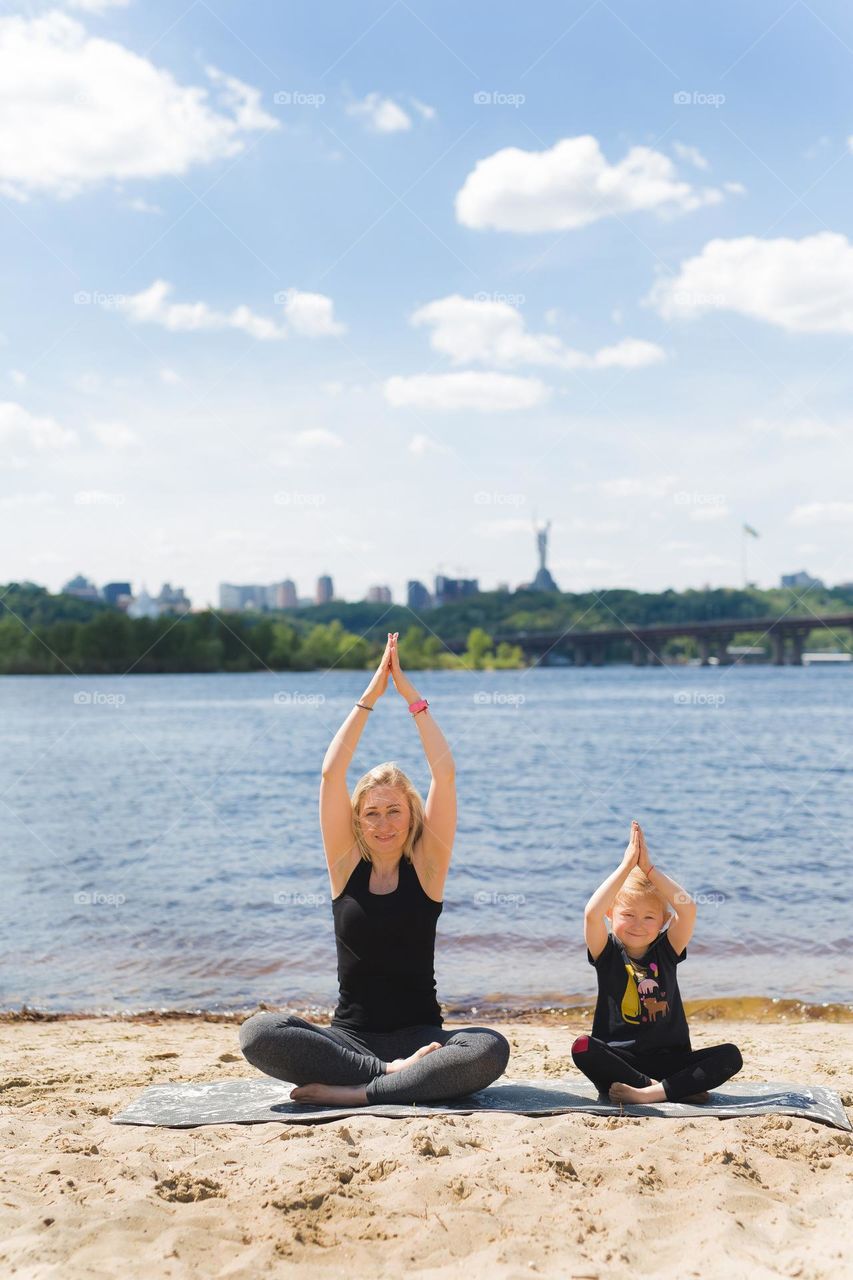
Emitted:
<point x="372" y="289"/>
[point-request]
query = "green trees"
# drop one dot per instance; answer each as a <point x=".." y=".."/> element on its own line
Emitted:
<point x="41" y="634"/>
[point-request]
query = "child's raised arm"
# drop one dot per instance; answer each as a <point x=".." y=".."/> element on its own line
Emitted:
<point x="681" y="928"/>
<point x="594" y="928"/>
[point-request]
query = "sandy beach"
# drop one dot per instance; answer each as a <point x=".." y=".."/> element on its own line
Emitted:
<point x="568" y="1196"/>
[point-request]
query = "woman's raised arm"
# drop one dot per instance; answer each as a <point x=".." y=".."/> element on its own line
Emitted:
<point x="335" y="806"/>
<point x="440" y="809"/>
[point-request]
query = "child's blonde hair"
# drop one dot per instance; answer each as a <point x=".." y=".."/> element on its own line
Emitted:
<point x="388" y="774"/>
<point x="636" y="886"/>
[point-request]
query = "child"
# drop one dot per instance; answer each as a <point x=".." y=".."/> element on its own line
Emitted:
<point x="639" y="1050"/>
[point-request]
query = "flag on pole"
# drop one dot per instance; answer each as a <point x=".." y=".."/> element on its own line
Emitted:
<point x="747" y="528"/>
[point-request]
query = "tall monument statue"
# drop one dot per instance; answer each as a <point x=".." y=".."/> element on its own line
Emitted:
<point x="543" y="580"/>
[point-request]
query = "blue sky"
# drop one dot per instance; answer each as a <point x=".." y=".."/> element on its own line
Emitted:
<point x="362" y="289"/>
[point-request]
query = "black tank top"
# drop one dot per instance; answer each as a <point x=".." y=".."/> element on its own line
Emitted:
<point x="386" y="949"/>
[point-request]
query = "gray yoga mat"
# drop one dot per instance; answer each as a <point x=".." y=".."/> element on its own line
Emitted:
<point x="261" y="1099"/>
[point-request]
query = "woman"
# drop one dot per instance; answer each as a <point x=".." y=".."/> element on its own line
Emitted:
<point x="388" y="857"/>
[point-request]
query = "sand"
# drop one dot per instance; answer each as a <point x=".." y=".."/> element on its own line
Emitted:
<point x="497" y="1196"/>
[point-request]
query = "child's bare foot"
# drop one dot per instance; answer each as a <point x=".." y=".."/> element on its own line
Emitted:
<point x="331" y="1095"/>
<point x="653" y="1092"/>
<point x="704" y="1096"/>
<point x="399" y="1064"/>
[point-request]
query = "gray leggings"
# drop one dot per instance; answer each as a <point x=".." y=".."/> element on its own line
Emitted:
<point x="289" y="1048"/>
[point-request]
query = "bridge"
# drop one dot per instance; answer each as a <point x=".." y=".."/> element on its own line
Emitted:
<point x="786" y="635"/>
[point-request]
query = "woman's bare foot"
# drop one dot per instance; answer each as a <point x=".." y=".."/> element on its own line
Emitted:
<point x="399" y="1064"/>
<point x="653" y="1092"/>
<point x="331" y="1095"/>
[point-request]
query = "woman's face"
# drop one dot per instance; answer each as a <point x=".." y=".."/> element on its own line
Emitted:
<point x="385" y="819"/>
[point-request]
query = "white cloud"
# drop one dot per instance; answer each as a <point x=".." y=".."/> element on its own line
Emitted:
<point x="796" y="428"/>
<point x="638" y="486"/>
<point x="382" y="115"/>
<point x="114" y="435"/>
<point x="151" y="307"/>
<point x="138" y="205"/>
<point x="170" y="377"/>
<point x="483" y="392"/>
<point x="423" y="109"/>
<point x="20" y="427"/>
<point x="39" y="499"/>
<point x="422" y="444"/>
<point x="803" y="286"/>
<point x="822" y="513"/>
<point x="311" y="314"/>
<point x="691" y="154"/>
<point x="18" y="377"/>
<point x="76" y="110"/>
<point x="96" y="6"/>
<point x="472" y="330"/>
<point x="570" y="186"/>
<point x="317" y="438"/>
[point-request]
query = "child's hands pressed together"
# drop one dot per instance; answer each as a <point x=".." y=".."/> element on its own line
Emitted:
<point x="644" y="862"/>
<point x="632" y="852"/>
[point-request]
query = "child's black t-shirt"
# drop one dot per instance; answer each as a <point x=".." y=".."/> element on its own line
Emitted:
<point x="639" y="1005"/>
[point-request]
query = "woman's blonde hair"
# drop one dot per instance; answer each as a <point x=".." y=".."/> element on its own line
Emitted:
<point x="388" y="774"/>
<point x="638" y="885"/>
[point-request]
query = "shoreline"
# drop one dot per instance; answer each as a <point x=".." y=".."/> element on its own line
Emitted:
<point x="752" y="1009"/>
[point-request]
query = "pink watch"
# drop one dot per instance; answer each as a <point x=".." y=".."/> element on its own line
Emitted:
<point x="420" y="705"/>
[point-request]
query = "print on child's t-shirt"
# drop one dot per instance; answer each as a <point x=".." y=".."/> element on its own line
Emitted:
<point x="643" y="1000"/>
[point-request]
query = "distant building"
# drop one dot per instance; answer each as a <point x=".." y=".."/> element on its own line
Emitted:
<point x="503" y="587"/>
<point x="234" y="598"/>
<point x="325" y="592"/>
<point x="378" y="595"/>
<point x="142" y="606"/>
<point x="448" y="590"/>
<point x="284" y="595"/>
<point x="118" y="594"/>
<point x="417" y="596"/>
<point x="801" y="579"/>
<point x="82" y="588"/>
<point x="173" y="600"/>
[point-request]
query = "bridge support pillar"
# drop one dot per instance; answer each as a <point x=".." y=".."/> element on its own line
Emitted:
<point x="796" y="649"/>
<point x="639" y="653"/>
<point x="654" y="653"/>
<point x="722" y="646"/>
<point x="598" y="654"/>
<point x="579" y="651"/>
<point x="777" y="639"/>
<point x="704" y="650"/>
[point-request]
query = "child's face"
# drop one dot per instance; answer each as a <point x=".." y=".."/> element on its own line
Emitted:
<point x="637" y="923"/>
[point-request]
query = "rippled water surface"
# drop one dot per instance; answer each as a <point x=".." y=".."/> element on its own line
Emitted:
<point x="162" y="847"/>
